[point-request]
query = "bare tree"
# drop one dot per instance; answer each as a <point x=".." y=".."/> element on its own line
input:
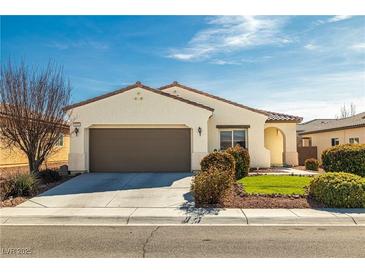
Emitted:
<point x="31" y="105"/>
<point x="345" y="112"/>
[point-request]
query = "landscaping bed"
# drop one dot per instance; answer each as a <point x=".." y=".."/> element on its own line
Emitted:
<point x="237" y="198"/>
<point x="43" y="185"/>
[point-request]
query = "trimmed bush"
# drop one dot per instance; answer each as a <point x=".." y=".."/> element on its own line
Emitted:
<point x="242" y="160"/>
<point x="209" y="186"/>
<point x="49" y="175"/>
<point x="220" y="160"/>
<point x="311" y="164"/>
<point x="338" y="190"/>
<point x="25" y="184"/>
<point x="345" y="158"/>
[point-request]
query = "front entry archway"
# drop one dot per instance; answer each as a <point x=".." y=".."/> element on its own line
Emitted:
<point x="275" y="143"/>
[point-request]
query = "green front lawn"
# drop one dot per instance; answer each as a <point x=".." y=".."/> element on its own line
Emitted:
<point x="275" y="184"/>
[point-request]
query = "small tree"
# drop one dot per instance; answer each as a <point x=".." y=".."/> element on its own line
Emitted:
<point x="345" y="112"/>
<point x="31" y="108"/>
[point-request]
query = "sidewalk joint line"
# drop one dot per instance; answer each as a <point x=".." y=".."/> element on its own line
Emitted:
<point x="130" y="215"/>
<point x="294" y="213"/>
<point x="37" y="203"/>
<point x="244" y="214"/>
<point x="351" y="218"/>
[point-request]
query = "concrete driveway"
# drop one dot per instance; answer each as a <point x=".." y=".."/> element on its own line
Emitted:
<point x="118" y="190"/>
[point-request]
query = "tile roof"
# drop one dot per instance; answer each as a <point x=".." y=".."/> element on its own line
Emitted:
<point x="272" y="116"/>
<point x="140" y="85"/>
<point x="282" y="117"/>
<point x="323" y="125"/>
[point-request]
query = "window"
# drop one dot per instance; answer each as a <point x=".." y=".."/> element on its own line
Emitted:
<point x="59" y="142"/>
<point x="354" y="140"/>
<point x="230" y="138"/>
<point x="335" y="142"/>
<point x="307" y="142"/>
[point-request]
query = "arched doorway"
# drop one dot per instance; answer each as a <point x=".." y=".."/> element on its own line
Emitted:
<point x="275" y="143"/>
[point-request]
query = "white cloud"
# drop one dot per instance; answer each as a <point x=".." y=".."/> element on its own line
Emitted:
<point x="311" y="46"/>
<point x="334" y="19"/>
<point x="359" y="46"/>
<point x="64" y="45"/>
<point x="338" y="18"/>
<point x="230" y="33"/>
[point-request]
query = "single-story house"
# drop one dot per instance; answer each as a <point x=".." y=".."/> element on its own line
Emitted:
<point x="324" y="133"/>
<point x="170" y="129"/>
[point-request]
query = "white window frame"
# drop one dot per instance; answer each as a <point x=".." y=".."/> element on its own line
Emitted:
<point x="232" y="140"/>
<point x="354" y="138"/>
<point x="57" y="144"/>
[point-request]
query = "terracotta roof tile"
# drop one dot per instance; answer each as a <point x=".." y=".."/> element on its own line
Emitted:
<point x="140" y="85"/>
<point x="272" y="116"/>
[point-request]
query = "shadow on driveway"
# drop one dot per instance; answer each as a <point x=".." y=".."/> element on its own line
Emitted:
<point x="102" y="182"/>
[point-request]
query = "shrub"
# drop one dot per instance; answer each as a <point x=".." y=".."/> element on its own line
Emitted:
<point x="242" y="160"/>
<point x="345" y="158"/>
<point x="25" y="184"/>
<point x="49" y="175"/>
<point x="338" y="189"/>
<point x="209" y="186"/>
<point x="6" y="188"/>
<point x="220" y="160"/>
<point x="311" y="164"/>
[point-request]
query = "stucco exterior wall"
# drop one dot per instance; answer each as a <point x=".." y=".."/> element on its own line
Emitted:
<point x="137" y="108"/>
<point x="227" y="114"/>
<point x="274" y="141"/>
<point x="290" y="141"/>
<point x="16" y="158"/>
<point x="323" y="140"/>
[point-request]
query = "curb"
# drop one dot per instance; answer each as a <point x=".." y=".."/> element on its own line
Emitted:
<point x="180" y="216"/>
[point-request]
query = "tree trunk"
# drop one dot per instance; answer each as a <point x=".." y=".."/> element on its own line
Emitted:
<point x="34" y="164"/>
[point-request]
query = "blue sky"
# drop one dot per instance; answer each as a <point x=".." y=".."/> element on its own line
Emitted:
<point x="303" y="65"/>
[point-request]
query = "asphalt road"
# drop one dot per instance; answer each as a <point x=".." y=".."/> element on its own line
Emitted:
<point x="181" y="241"/>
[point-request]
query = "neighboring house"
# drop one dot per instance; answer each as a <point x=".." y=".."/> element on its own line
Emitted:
<point x="324" y="133"/>
<point x="14" y="157"/>
<point x="142" y="129"/>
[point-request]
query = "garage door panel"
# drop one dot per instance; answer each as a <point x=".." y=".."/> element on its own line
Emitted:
<point x="140" y="150"/>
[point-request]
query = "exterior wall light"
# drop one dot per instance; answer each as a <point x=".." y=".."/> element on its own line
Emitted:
<point x="76" y="125"/>
<point x="200" y="131"/>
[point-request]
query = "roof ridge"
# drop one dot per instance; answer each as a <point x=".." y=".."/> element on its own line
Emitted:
<point x="265" y="112"/>
<point x="129" y="87"/>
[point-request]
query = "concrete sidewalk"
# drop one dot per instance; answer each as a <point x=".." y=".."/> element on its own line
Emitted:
<point x="179" y="216"/>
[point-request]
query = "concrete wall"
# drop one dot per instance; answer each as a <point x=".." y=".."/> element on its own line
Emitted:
<point x="290" y="141"/>
<point x="323" y="140"/>
<point x="16" y="158"/>
<point x="227" y="114"/>
<point x="137" y="108"/>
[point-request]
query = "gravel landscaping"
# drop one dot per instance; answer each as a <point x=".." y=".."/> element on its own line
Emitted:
<point x="237" y="198"/>
<point x="42" y="187"/>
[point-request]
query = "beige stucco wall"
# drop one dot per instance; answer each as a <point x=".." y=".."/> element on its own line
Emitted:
<point x="290" y="141"/>
<point x="227" y="114"/>
<point x="137" y="108"/>
<point x="274" y="141"/>
<point x="15" y="157"/>
<point x="323" y="140"/>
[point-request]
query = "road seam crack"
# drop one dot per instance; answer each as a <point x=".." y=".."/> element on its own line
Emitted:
<point x="149" y="238"/>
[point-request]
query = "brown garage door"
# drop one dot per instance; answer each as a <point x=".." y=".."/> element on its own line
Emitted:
<point x="140" y="150"/>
